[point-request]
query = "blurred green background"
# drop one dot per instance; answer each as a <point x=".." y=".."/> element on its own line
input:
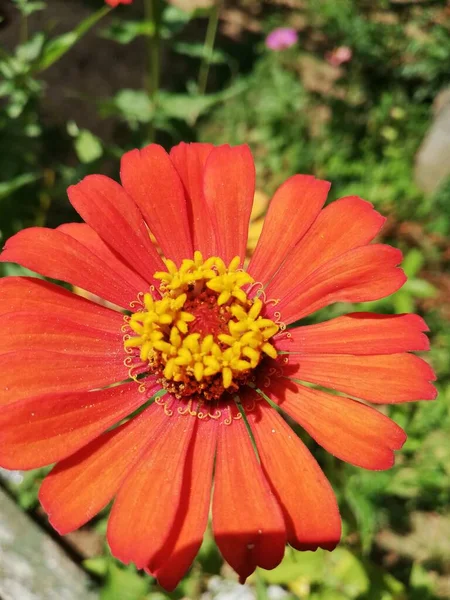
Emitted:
<point x="76" y="92"/>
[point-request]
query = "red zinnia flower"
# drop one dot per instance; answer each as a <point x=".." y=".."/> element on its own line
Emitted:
<point x="210" y="341"/>
<point x="115" y="3"/>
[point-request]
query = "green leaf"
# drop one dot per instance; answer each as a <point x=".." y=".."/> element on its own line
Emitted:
<point x="413" y="262"/>
<point x="383" y="586"/>
<point x="305" y="566"/>
<point x="56" y="48"/>
<point x="13" y="270"/>
<point x="133" y="105"/>
<point x="189" y="107"/>
<point x="88" y="146"/>
<point x="8" y="187"/>
<point x="198" y="51"/>
<point x="328" y="595"/>
<point x="405" y="484"/>
<point x="403" y="301"/>
<point x="31" y="50"/>
<point x="421" y="578"/>
<point x="98" y="565"/>
<point x="173" y="21"/>
<point x="420" y="288"/>
<point x="124" y="584"/>
<point x="349" y="572"/>
<point x="124" y="32"/>
<point x="260" y="587"/>
<point x="27" y="8"/>
<point x="363" y="510"/>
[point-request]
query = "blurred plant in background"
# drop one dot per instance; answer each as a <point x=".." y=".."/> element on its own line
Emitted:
<point x="351" y="102"/>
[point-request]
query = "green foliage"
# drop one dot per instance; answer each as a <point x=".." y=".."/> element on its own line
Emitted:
<point x="358" y="125"/>
<point x="271" y="114"/>
<point x="123" y="584"/>
<point x="8" y="187"/>
<point x="340" y="574"/>
<point x="124" y="31"/>
<point x="55" y="48"/>
<point x="27" y="8"/>
<point x="88" y="146"/>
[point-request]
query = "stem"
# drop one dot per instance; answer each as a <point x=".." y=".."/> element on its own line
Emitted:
<point x="23" y="34"/>
<point x="151" y="8"/>
<point x="208" y="47"/>
<point x="56" y="49"/>
<point x="4" y="54"/>
<point x="261" y="590"/>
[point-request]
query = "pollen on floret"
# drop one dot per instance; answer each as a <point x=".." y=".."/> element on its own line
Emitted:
<point x="204" y="336"/>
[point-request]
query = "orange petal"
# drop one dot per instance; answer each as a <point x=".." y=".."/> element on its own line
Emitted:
<point x="44" y="429"/>
<point x="347" y="429"/>
<point x="363" y="274"/>
<point x="247" y="521"/>
<point x="345" y="224"/>
<point x="306" y="497"/>
<point x="37" y="331"/>
<point x="93" y="242"/>
<point x="357" y="333"/>
<point x="229" y="187"/>
<point x="81" y="485"/>
<point x="55" y="254"/>
<point x="384" y="379"/>
<point x="186" y="535"/>
<point x="26" y="373"/>
<point x="107" y="208"/>
<point x="189" y="161"/>
<point x="37" y="295"/>
<point x="294" y="207"/>
<point x="147" y="503"/>
<point x="151" y="179"/>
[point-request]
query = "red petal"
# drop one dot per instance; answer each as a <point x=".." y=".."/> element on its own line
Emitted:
<point x="384" y="379"/>
<point x="26" y="373"/>
<point x="360" y="275"/>
<point x="33" y="330"/>
<point x="247" y="521"/>
<point x="42" y="430"/>
<point x="54" y="254"/>
<point x="347" y="429"/>
<point x="292" y="211"/>
<point x="92" y="241"/>
<point x="150" y="178"/>
<point x="358" y="333"/>
<point x="189" y="161"/>
<point x="345" y="224"/>
<point x="37" y="295"/>
<point x="229" y="187"/>
<point x="144" y="510"/>
<point x="305" y="495"/>
<point x="190" y="522"/>
<point x="81" y="485"/>
<point x="108" y="209"/>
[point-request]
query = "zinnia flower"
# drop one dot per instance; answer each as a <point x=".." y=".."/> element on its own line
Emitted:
<point x="281" y="38"/>
<point x="141" y="405"/>
<point x="339" y="56"/>
<point x="115" y="3"/>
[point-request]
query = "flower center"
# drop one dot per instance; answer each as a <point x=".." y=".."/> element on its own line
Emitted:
<point x="204" y="336"/>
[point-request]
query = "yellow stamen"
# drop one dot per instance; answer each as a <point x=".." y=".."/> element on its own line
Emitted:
<point x="170" y="335"/>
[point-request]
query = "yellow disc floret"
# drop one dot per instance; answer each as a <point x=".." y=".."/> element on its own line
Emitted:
<point x="204" y="336"/>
